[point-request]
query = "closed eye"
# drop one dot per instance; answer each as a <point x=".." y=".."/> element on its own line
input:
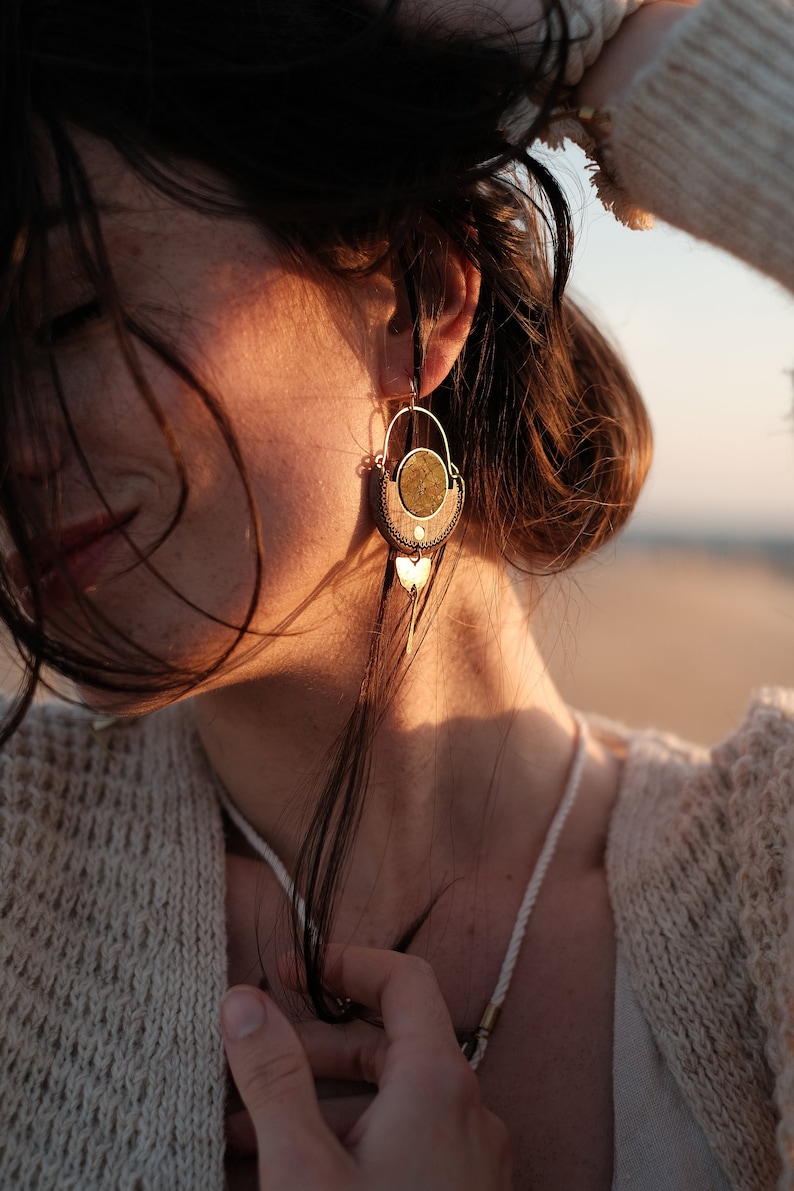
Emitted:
<point x="71" y="321"/>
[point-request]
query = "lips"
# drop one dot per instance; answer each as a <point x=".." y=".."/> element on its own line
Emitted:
<point x="81" y="549"/>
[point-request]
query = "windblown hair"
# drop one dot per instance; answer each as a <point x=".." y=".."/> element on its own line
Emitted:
<point x="339" y="132"/>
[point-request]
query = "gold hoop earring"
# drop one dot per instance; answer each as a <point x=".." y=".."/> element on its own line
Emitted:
<point x="416" y="501"/>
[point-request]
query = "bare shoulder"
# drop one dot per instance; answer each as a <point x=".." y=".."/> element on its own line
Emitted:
<point x="585" y="847"/>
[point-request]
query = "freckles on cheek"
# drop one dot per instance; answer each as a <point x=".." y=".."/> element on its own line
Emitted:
<point x="182" y="414"/>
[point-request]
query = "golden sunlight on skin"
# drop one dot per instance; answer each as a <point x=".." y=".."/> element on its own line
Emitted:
<point x="306" y="418"/>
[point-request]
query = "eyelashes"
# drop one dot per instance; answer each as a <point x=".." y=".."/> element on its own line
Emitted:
<point x="69" y="323"/>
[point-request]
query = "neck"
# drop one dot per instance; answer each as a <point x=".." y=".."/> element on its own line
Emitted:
<point x="476" y="735"/>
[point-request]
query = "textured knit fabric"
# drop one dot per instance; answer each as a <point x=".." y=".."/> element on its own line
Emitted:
<point x="113" y="945"/>
<point x="697" y="859"/>
<point x="112" y="958"/>
<point x="658" y="1142"/>
<point x="704" y="137"/>
<point x="589" y="24"/>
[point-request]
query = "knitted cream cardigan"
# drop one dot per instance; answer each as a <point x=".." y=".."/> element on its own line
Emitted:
<point x="699" y="860"/>
<point x="113" y="959"/>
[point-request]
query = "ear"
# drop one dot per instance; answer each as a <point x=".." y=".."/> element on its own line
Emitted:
<point x="457" y="282"/>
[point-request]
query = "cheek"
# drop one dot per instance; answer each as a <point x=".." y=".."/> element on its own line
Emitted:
<point x="313" y="514"/>
<point x="121" y="427"/>
<point x="304" y="411"/>
<point x="153" y="455"/>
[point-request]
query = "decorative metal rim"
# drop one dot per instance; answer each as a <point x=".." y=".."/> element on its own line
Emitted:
<point x="410" y="545"/>
<point x="418" y="409"/>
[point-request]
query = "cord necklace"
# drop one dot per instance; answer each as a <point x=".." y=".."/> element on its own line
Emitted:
<point x="474" y="1047"/>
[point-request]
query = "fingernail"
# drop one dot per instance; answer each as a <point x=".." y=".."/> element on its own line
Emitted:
<point x="242" y="1013"/>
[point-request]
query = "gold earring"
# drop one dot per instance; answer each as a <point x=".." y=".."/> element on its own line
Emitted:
<point x="416" y="501"/>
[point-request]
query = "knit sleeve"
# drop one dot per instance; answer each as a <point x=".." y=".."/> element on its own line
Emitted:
<point x="590" y="24"/>
<point x="755" y="766"/>
<point x="672" y="873"/>
<point x="704" y="136"/>
<point x="759" y="765"/>
<point x="701" y="870"/>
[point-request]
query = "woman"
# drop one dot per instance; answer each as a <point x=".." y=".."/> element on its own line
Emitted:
<point x="223" y="282"/>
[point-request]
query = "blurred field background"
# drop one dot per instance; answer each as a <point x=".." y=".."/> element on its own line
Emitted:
<point x="694" y="607"/>
<point x="673" y="634"/>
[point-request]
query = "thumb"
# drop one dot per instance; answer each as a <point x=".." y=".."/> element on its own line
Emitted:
<point x="295" y="1146"/>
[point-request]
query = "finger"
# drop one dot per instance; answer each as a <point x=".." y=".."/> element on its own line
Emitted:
<point x="421" y="1069"/>
<point x="240" y="1134"/>
<point x="402" y="989"/>
<point x="427" y="1090"/>
<point x="274" y="1080"/>
<point x="353" y="1051"/>
<point x="421" y="1063"/>
<point x="342" y="1113"/>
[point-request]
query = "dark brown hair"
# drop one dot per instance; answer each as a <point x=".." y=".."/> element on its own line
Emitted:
<point x="338" y="130"/>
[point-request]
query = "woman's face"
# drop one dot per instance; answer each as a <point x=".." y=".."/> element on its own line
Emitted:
<point x="297" y="367"/>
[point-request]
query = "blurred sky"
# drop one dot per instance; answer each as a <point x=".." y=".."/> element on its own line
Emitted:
<point x="711" y="345"/>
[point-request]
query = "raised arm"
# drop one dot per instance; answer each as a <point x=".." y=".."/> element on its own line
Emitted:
<point x="702" y="108"/>
<point x="701" y="101"/>
<point x="590" y="23"/>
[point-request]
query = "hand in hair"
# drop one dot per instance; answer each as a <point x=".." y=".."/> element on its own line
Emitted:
<point x="426" y="1128"/>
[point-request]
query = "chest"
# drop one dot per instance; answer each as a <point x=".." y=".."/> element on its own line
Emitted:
<point x="547" y="1070"/>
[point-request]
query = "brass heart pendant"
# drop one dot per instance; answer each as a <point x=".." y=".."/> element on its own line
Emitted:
<point x="412" y="575"/>
<point x="416" y="500"/>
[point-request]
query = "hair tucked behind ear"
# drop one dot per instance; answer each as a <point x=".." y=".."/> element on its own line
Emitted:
<point x="549" y="428"/>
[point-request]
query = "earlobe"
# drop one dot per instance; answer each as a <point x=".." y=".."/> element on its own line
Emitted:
<point x="456" y="289"/>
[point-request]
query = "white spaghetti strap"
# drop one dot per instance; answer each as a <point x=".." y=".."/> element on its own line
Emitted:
<point x="494" y="1006"/>
<point x="264" y="850"/>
